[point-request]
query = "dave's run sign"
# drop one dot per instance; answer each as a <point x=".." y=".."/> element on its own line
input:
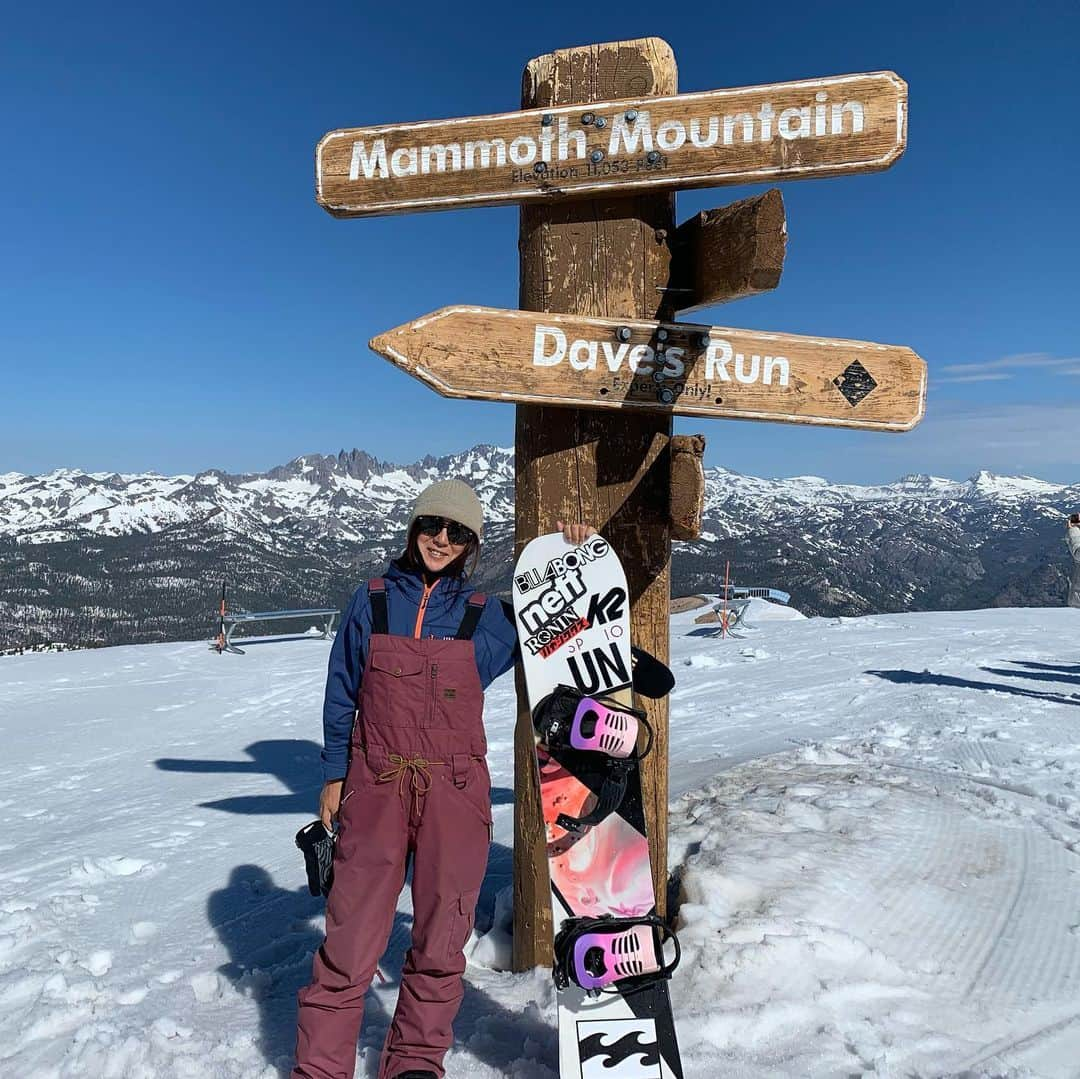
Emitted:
<point x="496" y="355"/>
<point x="784" y="131"/>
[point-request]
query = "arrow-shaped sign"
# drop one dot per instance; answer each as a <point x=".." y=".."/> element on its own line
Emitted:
<point x="494" y="355"/>
<point x="784" y="131"/>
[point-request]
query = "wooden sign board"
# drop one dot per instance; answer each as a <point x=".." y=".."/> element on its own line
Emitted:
<point x="494" y="355"/>
<point x="784" y="131"/>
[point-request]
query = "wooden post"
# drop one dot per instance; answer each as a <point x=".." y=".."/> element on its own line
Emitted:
<point x="687" y="486"/>
<point x="605" y="257"/>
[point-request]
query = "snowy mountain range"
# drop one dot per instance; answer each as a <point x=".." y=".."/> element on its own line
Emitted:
<point x="111" y="558"/>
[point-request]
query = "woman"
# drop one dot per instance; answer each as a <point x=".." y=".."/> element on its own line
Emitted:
<point x="414" y="654"/>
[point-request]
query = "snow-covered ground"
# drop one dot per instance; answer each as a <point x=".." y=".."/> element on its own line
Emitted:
<point x="876" y="822"/>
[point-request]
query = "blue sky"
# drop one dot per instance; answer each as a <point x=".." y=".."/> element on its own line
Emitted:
<point x="173" y="298"/>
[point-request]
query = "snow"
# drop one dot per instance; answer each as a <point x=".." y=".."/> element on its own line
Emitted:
<point x="988" y="485"/>
<point x="817" y="492"/>
<point x="875" y="823"/>
<point x="293" y="491"/>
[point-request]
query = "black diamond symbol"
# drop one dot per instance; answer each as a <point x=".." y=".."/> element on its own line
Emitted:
<point x="855" y="383"/>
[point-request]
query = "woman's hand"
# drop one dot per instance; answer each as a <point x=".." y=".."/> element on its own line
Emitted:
<point x="576" y="533"/>
<point x="330" y="802"/>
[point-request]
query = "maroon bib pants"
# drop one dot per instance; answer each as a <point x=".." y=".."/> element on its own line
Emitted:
<point x="417" y="785"/>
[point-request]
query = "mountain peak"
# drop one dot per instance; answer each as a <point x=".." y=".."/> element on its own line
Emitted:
<point x="306" y="531"/>
<point x="986" y="484"/>
<point x="353" y="495"/>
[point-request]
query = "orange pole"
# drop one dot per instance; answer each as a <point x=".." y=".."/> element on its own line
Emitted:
<point x="221" y="622"/>
<point x="723" y="615"/>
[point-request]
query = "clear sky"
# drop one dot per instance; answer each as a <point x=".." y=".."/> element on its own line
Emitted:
<point x="172" y="298"/>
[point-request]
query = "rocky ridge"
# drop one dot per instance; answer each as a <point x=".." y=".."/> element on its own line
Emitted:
<point x="96" y="558"/>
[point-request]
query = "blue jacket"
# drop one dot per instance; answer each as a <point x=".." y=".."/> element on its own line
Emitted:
<point x="494" y="641"/>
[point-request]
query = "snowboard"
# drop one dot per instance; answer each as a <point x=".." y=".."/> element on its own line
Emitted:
<point x="572" y="615"/>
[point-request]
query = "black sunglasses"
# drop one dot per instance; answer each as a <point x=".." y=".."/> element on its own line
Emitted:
<point x="456" y="533"/>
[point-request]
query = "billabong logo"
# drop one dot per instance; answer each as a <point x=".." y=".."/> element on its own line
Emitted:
<point x="593" y="548"/>
<point x="618" y="1049"/>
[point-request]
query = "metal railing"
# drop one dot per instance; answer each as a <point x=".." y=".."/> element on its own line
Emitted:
<point x="232" y="620"/>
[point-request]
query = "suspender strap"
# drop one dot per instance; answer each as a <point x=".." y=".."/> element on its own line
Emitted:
<point x="472" y="616"/>
<point x="380" y="622"/>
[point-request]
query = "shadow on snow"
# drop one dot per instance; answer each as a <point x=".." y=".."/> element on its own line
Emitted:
<point x="271" y="934"/>
<point x="931" y="679"/>
<point x="293" y="762"/>
<point x="1042" y="676"/>
<point x="1068" y="668"/>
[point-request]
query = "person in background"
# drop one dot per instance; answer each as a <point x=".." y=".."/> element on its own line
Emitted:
<point x="406" y="780"/>
<point x="1072" y="537"/>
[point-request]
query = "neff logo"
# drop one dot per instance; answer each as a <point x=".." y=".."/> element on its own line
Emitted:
<point x="722" y="362"/>
<point x="564" y="590"/>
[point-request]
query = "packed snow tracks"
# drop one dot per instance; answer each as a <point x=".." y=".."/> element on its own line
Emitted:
<point x="844" y="916"/>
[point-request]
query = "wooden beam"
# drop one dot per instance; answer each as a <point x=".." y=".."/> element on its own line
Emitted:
<point x="603" y="257"/>
<point x="724" y="254"/>
<point x="687" y="486"/>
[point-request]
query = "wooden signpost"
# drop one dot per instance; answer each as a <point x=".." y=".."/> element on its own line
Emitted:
<point x="492" y="355"/>
<point x="593" y="360"/>
<point x="786" y="131"/>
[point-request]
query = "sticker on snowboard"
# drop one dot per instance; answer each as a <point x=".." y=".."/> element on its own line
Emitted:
<point x="625" y="1048"/>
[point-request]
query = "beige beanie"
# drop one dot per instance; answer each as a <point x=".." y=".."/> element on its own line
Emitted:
<point x="454" y="499"/>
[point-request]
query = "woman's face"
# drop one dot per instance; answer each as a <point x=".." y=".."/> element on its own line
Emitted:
<point x="437" y="551"/>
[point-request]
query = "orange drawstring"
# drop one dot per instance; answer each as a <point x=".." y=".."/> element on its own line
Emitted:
<point x="417" y="769"/>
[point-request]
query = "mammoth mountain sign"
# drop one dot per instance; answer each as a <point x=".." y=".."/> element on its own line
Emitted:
<point x="784" y="131"/>
<point x="524" y="356"/>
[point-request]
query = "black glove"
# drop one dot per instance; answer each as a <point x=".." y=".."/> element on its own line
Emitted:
<point x="317" y="845"/>
<point x="651" y="677"/>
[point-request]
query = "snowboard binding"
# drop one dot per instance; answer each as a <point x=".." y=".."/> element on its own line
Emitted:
<point x="565" y="719"/>
<point x="613" y="955"/>
<point x="602" y="735"/>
